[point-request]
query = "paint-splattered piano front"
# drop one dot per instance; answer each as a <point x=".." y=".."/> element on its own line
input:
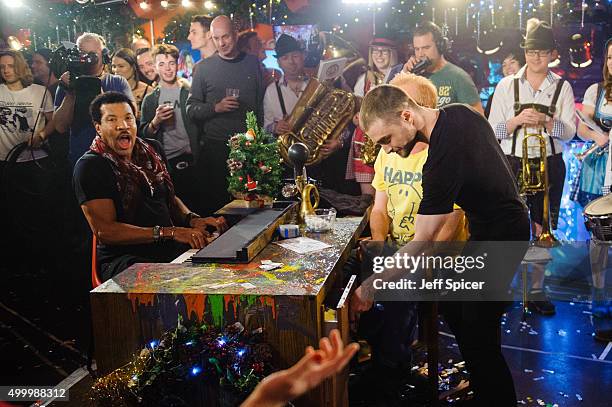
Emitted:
<point x="139" y="304"/>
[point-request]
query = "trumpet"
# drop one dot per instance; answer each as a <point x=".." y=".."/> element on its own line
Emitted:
<point x="594" y="148"/>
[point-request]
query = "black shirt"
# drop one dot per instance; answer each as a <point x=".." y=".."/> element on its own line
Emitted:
<point x="465" y="165"/>
<point x="94" y="179"/>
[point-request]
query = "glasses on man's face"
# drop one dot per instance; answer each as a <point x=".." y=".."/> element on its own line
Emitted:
<point x="539" y="53"/>
<point x="381" y="51"/>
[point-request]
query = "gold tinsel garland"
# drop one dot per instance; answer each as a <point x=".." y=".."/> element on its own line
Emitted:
<point x="116" y="388"/>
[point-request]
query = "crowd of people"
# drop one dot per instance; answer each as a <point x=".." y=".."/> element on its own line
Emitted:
<point x="134" y="156"/>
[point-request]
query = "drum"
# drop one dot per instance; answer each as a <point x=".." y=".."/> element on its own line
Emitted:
<point x="598" y="218"/>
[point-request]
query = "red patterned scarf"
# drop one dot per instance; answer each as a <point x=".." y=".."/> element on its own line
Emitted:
<point x="143" y="174"/>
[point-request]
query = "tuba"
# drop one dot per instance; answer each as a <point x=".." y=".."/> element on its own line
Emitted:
<point x="322" y="112"/>
<point x="533" y="178"/>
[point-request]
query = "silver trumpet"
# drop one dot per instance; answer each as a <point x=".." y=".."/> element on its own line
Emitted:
<point x="581" y="156"/>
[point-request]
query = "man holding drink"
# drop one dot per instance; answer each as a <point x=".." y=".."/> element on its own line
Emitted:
<point x="225" y="87"/>
<point x="164" y="117"/>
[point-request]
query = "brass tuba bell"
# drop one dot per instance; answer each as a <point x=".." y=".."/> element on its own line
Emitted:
<point x="533" y="178"/>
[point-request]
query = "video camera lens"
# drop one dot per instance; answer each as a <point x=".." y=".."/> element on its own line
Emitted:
<point x="73" y="60"/>
<point x="83" y="59"/>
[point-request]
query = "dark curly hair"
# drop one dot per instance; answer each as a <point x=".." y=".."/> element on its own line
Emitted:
<point x="108" y="98"/>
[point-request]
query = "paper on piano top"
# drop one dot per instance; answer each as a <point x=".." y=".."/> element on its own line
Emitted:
<point x="302" y="245"/>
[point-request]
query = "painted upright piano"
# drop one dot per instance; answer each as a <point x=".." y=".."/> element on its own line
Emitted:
<point x="289" y="303"/>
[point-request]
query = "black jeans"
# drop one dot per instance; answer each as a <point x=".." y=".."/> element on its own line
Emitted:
<point x="476" y="326"/>
<point x="389" y="326"/>
<point x="212" y="172"/>
<point x="182" y="171"/>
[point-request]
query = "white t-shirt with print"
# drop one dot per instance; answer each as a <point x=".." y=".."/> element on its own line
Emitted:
<point x="18" y="113"/>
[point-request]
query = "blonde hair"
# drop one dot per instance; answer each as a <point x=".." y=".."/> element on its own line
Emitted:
<point x="384" y="102"/>
<point x="426" y="93"/>
<point x="22" y="70"/>
<point x="392" y="57"/>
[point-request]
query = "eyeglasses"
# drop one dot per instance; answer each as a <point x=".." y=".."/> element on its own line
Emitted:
<point x="534" y="52"/>
<point x="381" y="51"/>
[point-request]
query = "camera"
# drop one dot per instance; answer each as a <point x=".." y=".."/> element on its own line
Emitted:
<point x="73" y="60"/>
<point x="68" y="58"/>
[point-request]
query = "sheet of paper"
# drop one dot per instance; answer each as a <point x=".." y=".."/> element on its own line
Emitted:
<point x="270" y="266"/>
<point x="302" y="245"/>
<point x="589" y="122"/>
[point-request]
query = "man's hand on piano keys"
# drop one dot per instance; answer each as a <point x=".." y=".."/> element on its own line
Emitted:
<point x="195" y="238"/>
<point x="202" y="223"/>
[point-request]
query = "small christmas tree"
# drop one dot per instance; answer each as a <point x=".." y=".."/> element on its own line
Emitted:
<point x="254" y="163"/>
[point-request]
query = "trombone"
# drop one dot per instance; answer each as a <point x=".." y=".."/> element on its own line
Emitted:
<point x="534" y="179"/>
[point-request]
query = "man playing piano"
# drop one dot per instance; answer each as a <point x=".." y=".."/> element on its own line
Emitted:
<point x="127" y="196"/>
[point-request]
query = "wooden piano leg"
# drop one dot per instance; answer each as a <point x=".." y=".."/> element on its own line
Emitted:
<point x="339" y="383"/>
<point x="431" y="332"/>
<point x="341" y="379"/>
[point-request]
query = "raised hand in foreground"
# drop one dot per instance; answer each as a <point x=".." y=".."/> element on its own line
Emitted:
<point x="316" y="366"/>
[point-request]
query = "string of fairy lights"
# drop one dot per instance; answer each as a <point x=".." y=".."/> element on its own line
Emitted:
<point x="457" y="17"/>
<point x="53" y="22"/>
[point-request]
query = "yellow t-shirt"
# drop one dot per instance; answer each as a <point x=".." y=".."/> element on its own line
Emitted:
<point x="401" y="178"/>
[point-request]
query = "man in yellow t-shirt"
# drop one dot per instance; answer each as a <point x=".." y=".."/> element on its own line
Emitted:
<point x="397" y="181"/>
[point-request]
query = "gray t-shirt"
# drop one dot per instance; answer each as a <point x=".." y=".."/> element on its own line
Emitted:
<point x="176" y="140"/>
<point x="211" y="79"/>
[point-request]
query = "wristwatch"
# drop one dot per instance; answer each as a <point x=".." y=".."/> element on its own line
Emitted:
<point x="156" y="233"/>
<point x="189" y="217"/>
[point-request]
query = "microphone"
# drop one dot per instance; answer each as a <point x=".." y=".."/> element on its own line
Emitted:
<point x="421" y="66"/>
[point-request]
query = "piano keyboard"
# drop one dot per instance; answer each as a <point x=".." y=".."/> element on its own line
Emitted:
<point x="186" y="257"/>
